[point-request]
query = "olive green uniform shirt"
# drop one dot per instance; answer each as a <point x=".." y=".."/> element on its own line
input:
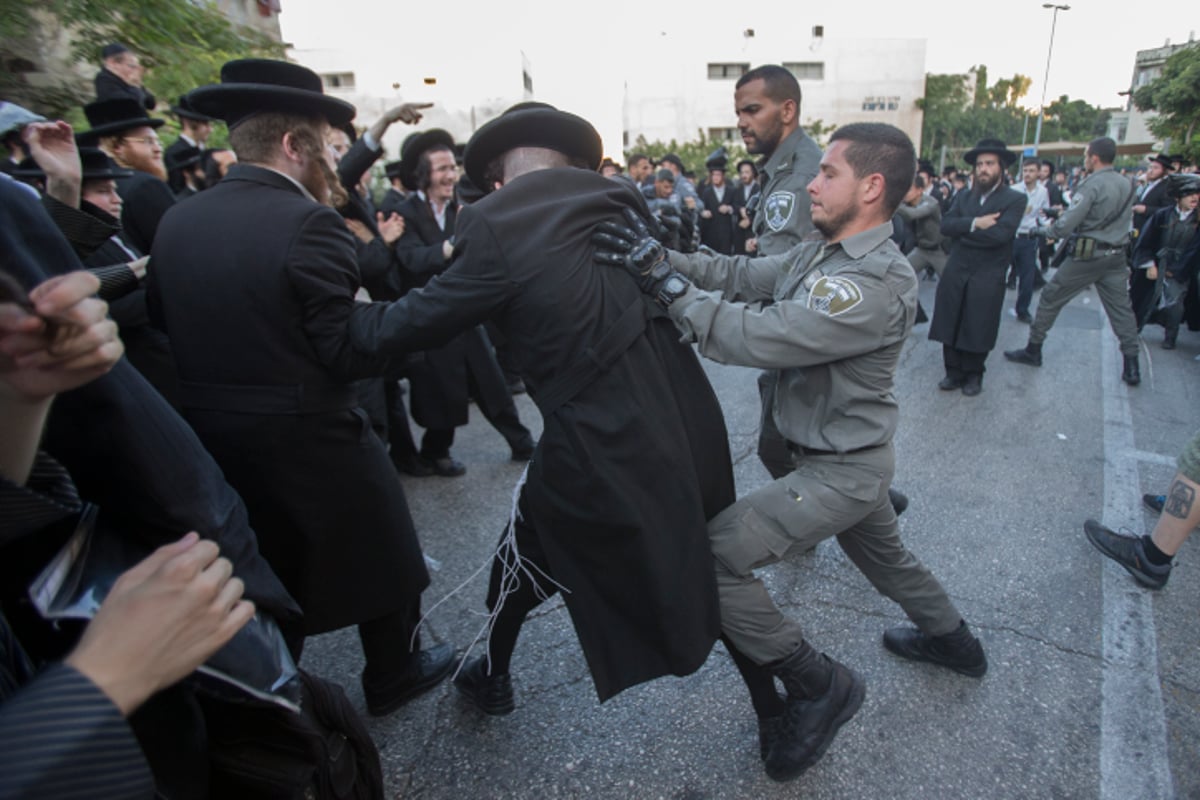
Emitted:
<point x="1097" y="199"/>
<point x="832" y="337"/>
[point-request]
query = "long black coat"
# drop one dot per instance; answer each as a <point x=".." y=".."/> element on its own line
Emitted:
<point x="146" y="200"/>
<point x="970" y="292"/>
<point x="438" y="381"/>
<point x="718" y="231"/>
<point x="257" y="317"/>
<point x="631" y="466"/>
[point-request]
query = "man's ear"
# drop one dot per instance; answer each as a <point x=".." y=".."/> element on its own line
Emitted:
<point x="791" y="111"/>
<point x="290" y="147"/>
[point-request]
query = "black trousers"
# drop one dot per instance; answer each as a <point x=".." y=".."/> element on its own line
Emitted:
<point x="960" y="363"/>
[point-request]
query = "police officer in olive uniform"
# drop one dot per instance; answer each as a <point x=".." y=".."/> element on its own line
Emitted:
<point x="831" y="338"/>
<point x="1100" y="218"/>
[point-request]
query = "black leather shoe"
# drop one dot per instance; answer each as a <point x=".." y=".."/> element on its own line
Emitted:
<point x="1155" y="502"/>
<point x="411" y="464"/>
<point x="429" y="668"/>
<point x="1131" y="374"/>
<point x="958" y="650"/>
<point x="949" y="384"/>
<point x="898" y="499"/>
<point x="1024" y="317"/>
<point x="972" y="384"/>
<point x="523" y="451"/>
<point x="1025" y="356"/>
<point x="491" y="694"/>
<point x="446" y="466"/>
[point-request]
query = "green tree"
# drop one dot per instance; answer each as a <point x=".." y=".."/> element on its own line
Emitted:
<point x="182" y="45"/>
<point x="1069" y="120"/>
<point x="1175" y="95"/>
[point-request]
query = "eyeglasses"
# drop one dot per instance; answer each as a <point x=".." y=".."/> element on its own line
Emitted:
<point x="146" y="140"/>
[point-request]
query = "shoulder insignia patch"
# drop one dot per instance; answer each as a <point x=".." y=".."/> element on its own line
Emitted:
<point x="834" y="295"/>
<point x="778" y="209"/>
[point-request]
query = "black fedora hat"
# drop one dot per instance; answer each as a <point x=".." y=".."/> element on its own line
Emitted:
<point x="1165" y="161"/>
<point x="28" y="168"/>
<point x="113" y="116"/>
<point x="252" y="85"/>
<point x="414" y="146"/>
<point x="392" y="169"/>
<point x="994" y="146"/>
<point x="97" y="166"/>
<point x="183" y="110"/>
<point x="532" y="125"/>
<point x="183" y="157"/>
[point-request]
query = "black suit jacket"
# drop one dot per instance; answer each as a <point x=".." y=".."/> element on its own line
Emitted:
<point x="146" y="200"/>
<point x="109" y="85"/>
<point x="1153" y="200"/>
<point x="258" y="318"/>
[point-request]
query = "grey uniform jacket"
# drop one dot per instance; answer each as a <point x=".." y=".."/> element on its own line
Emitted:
<point x="833" y="335"/>
<point x="783" y="217"/>
<point x="1097" y="199"/>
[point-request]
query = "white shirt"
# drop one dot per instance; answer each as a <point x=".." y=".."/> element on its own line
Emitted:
<point x="1037" y="200"/>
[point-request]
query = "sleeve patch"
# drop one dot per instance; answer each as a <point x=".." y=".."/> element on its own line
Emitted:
<point x="834" y="295"/>
<point x="778" y="210"/>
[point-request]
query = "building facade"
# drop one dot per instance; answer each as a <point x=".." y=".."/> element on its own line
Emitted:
<point x="1131" y="126"/>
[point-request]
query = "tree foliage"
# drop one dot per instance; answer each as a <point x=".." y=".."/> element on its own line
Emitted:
<point x="957" y="121"/>
<point x="182" y="44"/>
<point x="1175" y="95"/>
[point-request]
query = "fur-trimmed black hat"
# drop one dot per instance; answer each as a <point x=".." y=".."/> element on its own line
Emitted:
<point x="252" y="85"/>
<point x="994" y="146"/>
<point x="531" y="124"/>
<point x="183" y="110"/>
<point x="717" y="159"/>
<point x="113" y="116"/>
<point x="414" y="146"/>
<point x="1181" y="184"/>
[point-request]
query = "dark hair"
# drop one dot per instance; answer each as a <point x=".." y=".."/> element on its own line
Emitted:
<point x="636" y="158"/>
<point x="256" y="139"/>
<point x="424" y="169"/>
<point x="212" y="168"/>
<point x="876" y="147"/>
<point x="1104" y="149"/>
<point x="1025" y="162"/>
<point x="1047" y="162"/>
<point x="747" y="161"/>
<point x="779" y="84"/>
<point x="918" y="181"/>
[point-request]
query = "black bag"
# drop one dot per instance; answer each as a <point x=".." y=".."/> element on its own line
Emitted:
<point x="324" y="752"/>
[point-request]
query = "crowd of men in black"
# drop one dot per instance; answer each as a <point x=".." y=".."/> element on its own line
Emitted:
<point x="322" y="355"/>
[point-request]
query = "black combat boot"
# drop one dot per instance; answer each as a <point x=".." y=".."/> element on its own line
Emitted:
<point x="822" y="696"/>
<point x="958" y="650"/>
<point x="491" y="694"/>
<point x="1031" y="354"/>
<point x="1131" y="374"/>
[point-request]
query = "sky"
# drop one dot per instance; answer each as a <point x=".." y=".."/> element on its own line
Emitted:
<point x="573" y="45"/>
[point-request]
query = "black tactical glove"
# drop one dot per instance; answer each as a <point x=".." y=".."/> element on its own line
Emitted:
<point x="634" y="248"/>
<point x="668" y="227"/>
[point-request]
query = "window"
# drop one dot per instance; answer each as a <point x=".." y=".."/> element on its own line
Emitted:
<point x="806" y="70"/>
<point x="881" y="103"/>
<point x="723" y="134"/>
<point x="718" y="72"/>
<point x="338" y="80"/>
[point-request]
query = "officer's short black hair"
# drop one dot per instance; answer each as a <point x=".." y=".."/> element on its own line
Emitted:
<point x="1104" y="149"/>
<point x="637" y="158"/>
<point x="779" y="84"/>
<point x="876" y="147"/>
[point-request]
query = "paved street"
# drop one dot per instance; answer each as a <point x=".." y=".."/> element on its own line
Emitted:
<point x="1094" y="686"/>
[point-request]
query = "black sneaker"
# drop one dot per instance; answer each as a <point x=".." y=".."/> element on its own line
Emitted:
<point x="491" y="694"/>
<point x="1129" y="552"/>
<point x="1155" y="502"/>
<point x="958" y="650"/>
<point x="1024" y="356"/>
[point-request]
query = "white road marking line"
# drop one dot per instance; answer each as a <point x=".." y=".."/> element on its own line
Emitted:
<point x="1133" y="727"/>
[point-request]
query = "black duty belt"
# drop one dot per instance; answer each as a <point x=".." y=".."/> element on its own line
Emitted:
<point x="302" y="398"/>
<point x="801" y="450"/>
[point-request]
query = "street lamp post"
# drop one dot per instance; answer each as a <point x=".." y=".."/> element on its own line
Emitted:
<point x="1037" y="135"/>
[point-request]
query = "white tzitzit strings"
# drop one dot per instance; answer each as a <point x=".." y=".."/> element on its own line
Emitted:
<point x="514" y="564"/>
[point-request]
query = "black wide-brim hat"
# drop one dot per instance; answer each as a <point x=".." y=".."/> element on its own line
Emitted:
<point x="183" y="110"/>
<point x="994" y="146"/>
<point x="531" y="125"/>
<point x="253" y="85"/>
<point x="1161" y="159"/>
<point x="28" y="168"/>
<point x="392" y="169"/>
<point x="414" y="146"/>
<point x="717" y="159"/>
<point x="113" y="116"/>
<point x="183" y="157"/>
<point x="97" y="166"/>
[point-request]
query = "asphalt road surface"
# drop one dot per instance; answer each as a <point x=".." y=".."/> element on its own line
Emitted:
<point x="1094" y="685"/>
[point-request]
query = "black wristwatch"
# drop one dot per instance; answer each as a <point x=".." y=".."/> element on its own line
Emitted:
<point x="674" y="286"/>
